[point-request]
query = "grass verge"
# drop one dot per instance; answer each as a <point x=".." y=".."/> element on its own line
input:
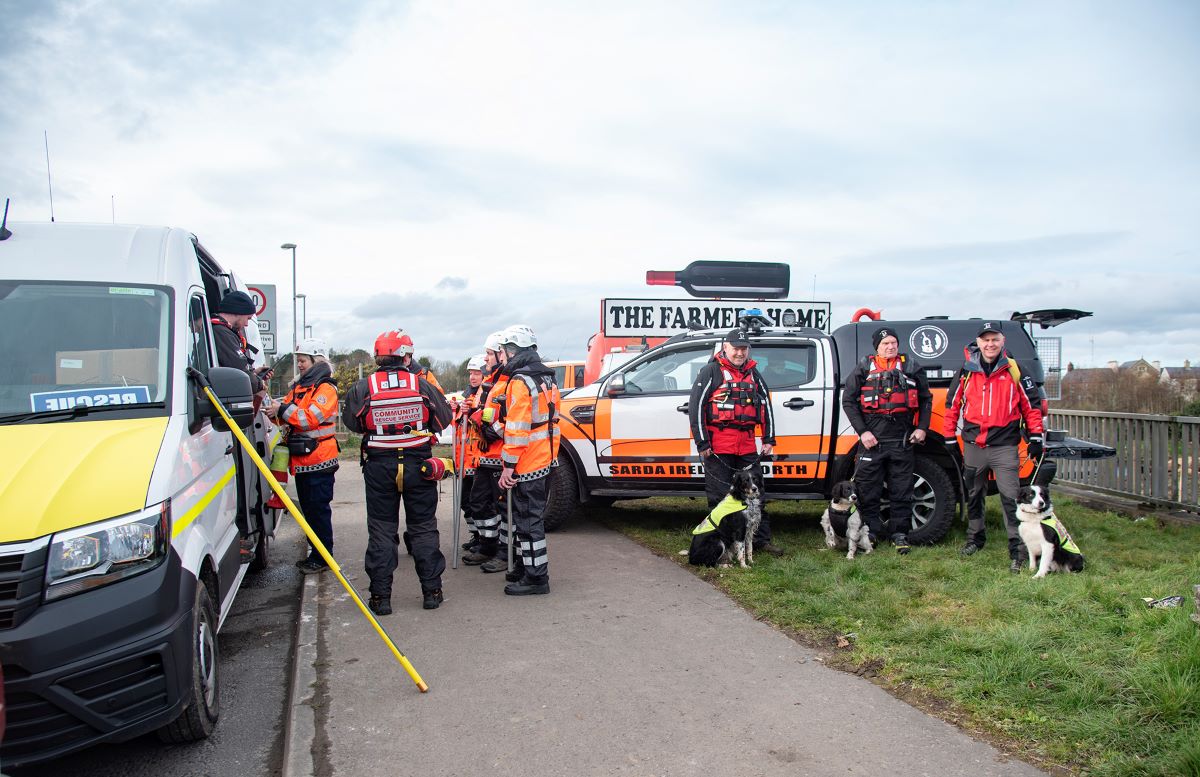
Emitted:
<point x="1072" y="671"/>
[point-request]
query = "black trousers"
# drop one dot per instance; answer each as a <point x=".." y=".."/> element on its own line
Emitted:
<point x="420" y="499"/>
<point x="529" y="507"/>
<point x="718" y="473"/>
<point x="315" y="491"/>
<point x="485" y="506"/>
<point x="890" y="461"/>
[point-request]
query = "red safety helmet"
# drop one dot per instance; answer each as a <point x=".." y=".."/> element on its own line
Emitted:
<point x="393" y="343"/>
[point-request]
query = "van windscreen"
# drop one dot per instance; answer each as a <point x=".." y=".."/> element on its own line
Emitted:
<point x="71" y="346"/>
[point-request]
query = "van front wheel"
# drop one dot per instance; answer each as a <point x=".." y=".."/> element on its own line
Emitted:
<point x="199" y="718"/>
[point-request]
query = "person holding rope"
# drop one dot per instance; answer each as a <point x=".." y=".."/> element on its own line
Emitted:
<point x="888" y="403"/>
<point x="399" y="413"/>
<point x="729" y="399"/>
<point x="993" y="399"/>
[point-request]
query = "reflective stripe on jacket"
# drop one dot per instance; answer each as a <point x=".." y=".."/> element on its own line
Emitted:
<point x="492" y="446"/>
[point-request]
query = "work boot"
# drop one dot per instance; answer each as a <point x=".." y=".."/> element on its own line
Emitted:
<point x="901" y="543"/>
<point x="970" y="549"/>
<point x="433" y="599"/>
<point x="1020" y="560"/>
<point x="311" y="566"/>
<point x="496" y="564"/>
<point x="770" y="548"/>
<point x="527" y="588"/>
<point x="246" y="547"/>
<point x="380" y="605"/>
<point x="516" y="575"/>
<point x="474" y="558"/>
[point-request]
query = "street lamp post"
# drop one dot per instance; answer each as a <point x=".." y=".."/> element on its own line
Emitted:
<point x="295" y="332"/>
<point x="303" y="313"/>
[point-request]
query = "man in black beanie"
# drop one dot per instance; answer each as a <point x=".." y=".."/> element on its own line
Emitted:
<point x="888" y="403"/>
<point x="233" y="314"/>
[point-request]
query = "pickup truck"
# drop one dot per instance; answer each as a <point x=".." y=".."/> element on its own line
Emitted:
<point x="626" y="435"/>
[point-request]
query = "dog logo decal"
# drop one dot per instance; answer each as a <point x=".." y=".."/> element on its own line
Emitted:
<point x="928" y="342"/>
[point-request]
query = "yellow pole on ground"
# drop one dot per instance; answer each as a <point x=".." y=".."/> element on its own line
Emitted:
<point x="312" y="537"/>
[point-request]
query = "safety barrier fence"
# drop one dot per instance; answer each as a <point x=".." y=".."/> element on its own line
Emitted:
<point x="1157" y="461"/>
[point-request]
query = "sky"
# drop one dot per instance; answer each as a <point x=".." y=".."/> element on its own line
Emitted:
<point x="451" y="167"/>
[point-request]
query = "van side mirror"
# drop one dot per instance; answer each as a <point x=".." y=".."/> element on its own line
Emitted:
<point x="616" y="385"/>
<point x="232" y="387"/>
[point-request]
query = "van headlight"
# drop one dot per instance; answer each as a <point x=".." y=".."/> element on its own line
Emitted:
<point x="102" y="553"/>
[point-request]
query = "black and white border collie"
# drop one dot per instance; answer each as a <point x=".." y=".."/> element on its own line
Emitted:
<point x="843" y="524"/>
<point x="734" y="534"/>
<point x="1051" y="548"/>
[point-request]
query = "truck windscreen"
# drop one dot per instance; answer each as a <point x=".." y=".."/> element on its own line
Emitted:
<point x="74" y="345"/>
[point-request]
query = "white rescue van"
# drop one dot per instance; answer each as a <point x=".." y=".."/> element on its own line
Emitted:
<point x="120" y="554"/>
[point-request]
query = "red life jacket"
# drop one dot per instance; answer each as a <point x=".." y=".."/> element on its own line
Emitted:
<point x="396" y="415"/>
<point x="887" y="390"/>
<point x="735" y="404"/>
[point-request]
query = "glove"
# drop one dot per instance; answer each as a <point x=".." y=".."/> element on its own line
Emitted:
<point x="1035" y="447"/>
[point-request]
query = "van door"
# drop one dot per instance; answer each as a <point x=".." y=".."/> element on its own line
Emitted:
<point x="208" y="458"/>
<point x="642" y="436"/>
<point x="798" y="374"/>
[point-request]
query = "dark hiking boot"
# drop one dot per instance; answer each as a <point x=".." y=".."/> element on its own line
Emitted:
<point x="311" y="566"/>
<point x="526" y="588"/>
<point x="475" y="558"/>
<point x="496" y="564"/>
<point x="1019" y="561"/>
<point x="770" y="548"/>
<point x="433" y="599"/>
<point x="516" y="575"/>
<point x="380" y="605"/>
<point x="970" y="549"/>
<point x="901" y="543"/>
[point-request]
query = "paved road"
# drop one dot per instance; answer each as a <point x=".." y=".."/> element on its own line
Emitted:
<point x="632" y="666"/>
<point x="256" y="648"/>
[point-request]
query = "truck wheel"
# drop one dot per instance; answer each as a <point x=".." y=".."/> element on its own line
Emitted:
<point x="199" y="717"/>
<point x="934" y="499"/>
<point x="562" y="499"/>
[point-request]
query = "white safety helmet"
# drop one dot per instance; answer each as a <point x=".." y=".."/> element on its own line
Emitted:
<point x="311" y="346"/>
<point x="519" y="335"/>
<point x="493" y="341"/>
<point x="477" y="362"/>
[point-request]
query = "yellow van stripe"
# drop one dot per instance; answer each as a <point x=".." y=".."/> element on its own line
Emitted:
<point x="198" y="508"/>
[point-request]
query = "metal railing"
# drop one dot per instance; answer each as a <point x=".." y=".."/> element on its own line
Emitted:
<point x="1158" y="456"/>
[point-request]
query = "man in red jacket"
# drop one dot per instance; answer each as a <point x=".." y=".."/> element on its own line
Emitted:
<point x="993" y="399"/>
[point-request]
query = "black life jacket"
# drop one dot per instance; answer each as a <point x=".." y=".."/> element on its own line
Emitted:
<point x="887" y="391"/>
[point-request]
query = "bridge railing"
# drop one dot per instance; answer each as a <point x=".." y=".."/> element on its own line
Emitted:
<point x="1158" y="456"/>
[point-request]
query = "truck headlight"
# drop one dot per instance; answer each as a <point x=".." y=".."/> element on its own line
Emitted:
<point x="102" y="553"/>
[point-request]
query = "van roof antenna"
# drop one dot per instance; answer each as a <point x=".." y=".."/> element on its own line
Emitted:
<point x="5" y="232"/>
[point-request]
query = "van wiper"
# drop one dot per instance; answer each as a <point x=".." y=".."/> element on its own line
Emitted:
<point x="51" y="416"/>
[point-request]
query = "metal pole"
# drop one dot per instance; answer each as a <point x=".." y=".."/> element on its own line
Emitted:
<point x="511" y="538"/>
<point x="456" y="501"/>
<point x="295" y="330"/>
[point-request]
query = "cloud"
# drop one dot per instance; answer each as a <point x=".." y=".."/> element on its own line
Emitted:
<point x="452" y="284"/>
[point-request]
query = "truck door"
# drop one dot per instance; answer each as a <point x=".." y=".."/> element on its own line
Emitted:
<point x="798" y="375"/>
<point x="642" y="435"/>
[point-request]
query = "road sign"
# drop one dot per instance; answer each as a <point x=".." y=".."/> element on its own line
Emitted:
<point x="263" y="296"/>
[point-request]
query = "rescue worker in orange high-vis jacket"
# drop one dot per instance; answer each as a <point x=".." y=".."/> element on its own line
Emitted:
<point x="728" y="401"/>
<point x="486" y="499"/>
<point x="309" y="412"/>
<point x="466" y="440"/>
<point x="994" y="400"/>
<point x="530" y="451"/>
